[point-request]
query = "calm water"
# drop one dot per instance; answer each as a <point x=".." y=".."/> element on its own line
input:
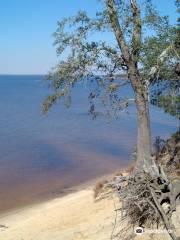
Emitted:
<point x="41" y="155"/>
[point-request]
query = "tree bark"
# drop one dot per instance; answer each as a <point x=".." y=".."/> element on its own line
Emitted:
<point x="144" y="159"/>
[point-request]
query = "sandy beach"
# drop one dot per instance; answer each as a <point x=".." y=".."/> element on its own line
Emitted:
<point x="76" y="216"/>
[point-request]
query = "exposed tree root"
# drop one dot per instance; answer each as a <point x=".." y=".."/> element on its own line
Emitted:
<point x="143" y="199"/>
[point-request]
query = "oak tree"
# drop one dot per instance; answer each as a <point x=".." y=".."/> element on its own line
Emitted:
<point x="142" y="51"/>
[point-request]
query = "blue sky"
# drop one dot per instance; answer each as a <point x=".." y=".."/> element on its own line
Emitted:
<point x="26" y="31"/>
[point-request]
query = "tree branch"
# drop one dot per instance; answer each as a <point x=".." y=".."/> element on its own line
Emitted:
<point x="136" y="37"/>
<point x="113" y="16"/>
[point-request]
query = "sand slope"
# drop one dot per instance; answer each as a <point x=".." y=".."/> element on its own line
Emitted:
<point x="73" y="217"/>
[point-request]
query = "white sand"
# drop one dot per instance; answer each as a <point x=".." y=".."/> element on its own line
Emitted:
<point x="73" y="217"/>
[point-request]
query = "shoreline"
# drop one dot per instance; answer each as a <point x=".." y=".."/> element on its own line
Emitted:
<point x="75" y="215"/>
<point x="89" y="184"/>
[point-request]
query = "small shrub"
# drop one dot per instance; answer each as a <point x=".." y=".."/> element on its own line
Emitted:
<point x="99" y="187"/>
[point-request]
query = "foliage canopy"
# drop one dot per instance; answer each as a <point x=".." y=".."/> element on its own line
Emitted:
<point x="101" y="64"/>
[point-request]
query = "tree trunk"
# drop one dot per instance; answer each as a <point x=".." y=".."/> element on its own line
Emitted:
<point x="144" y="159"/>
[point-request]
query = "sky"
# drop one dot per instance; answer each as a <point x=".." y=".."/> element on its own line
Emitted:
<point x="26" y="42"/>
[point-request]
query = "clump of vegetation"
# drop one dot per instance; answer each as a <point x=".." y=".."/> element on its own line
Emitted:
<point x="170" y="104"/>
<point x="99" y="188"/>
<point x="169" y="155"/>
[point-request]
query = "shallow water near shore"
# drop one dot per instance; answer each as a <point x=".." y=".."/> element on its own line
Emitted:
<point x="41" y="155"/>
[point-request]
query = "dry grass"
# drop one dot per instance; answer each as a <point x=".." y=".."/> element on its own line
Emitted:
<point x="103" y="187"/>
<point x="99" y="187"/>
<point x="130" y="168"/>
